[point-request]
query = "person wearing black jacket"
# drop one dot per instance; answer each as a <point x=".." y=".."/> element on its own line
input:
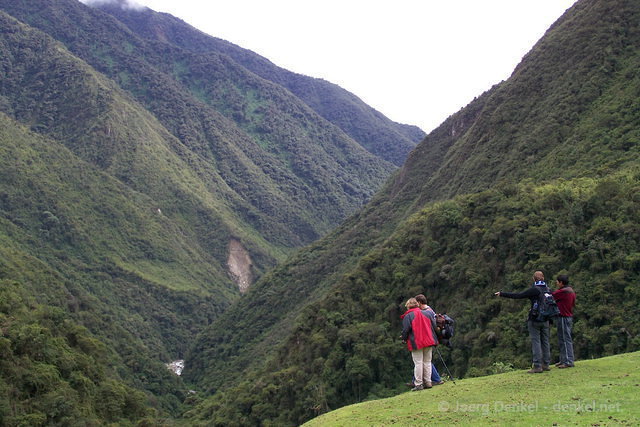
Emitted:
<point x="538" y="331"/>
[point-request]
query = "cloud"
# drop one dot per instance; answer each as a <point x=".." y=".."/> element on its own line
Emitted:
<point x="124" y="4"/>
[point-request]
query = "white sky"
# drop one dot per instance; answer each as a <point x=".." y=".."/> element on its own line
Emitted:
<point x="416" y="61"/>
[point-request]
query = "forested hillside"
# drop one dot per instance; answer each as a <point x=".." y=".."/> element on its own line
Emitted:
<point x="98" y="289"/>
<point x="379" y="135"/>
<point x="287" y="164"/>
<point x="143" y="187"/>
<point x="54" y="372"/>
<point x="540" y="172"/>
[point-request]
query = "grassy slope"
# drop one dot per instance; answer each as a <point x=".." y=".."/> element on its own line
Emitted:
<point x="597" y="392"/>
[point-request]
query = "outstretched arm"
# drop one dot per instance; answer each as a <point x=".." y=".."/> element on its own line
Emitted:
<point x="531" y="292"/>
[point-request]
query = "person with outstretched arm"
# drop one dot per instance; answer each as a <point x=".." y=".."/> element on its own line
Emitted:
<point x="538" y="331"/>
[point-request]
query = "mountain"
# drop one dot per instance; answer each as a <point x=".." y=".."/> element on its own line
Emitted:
<point x="379" y="135"/>
<point x="268" y="146"/>
<point x="540" y="172"/>
<point x="143" y="187"/>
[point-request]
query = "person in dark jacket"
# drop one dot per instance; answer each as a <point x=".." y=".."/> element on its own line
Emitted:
<point x="418" y="332"/>
<point x="538" y="331"/>
<point x="566" y="299"/>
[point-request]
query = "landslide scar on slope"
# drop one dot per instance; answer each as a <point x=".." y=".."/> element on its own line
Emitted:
<point x="239" y="264"/>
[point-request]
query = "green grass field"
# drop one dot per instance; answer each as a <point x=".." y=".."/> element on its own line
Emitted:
<point x="596" y="392"/>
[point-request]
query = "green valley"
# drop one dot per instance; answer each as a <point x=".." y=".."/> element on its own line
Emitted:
<point x="168" y="195"/>
<point x="144" y="186"/>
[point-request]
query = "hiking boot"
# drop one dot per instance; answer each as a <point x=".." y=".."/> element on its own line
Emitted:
<point x="439" y="382"/>
<point x="418" y="388"/>
<point x="564" y="366"/>
<point x="534" y="370"/>
<point x="559" y="363"/>
<point x="545" y="368"/>
<point x="428" y="385"/>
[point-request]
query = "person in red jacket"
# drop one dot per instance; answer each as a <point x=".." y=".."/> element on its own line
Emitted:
<point x="566" y="299"/>
<point x="418" y="332"/>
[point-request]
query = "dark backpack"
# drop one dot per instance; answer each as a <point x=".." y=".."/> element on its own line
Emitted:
<point x="545" y="308"/>
<point x="444" y="328"/>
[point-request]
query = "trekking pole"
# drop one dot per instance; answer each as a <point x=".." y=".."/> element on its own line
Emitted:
<point x="445" y="365"/>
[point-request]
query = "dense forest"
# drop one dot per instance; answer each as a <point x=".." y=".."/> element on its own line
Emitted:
<point x="144" y="185"/>
<point x="77" y="243"/>
<point x="141" y="158"/>
<point x="345" y="347"/>
<point x="54" y="372"/>
<point x="379" y="135"/>
<point x="539" y="172"/>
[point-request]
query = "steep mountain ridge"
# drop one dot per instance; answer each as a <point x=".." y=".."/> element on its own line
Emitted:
<point x="93" y="118"/>
<point x="381" y="136"/>
<point x="266" y="145"/>
<point x="135" y="170"/>
<point x="569" y="112"/>
<point x="537" y="117"/>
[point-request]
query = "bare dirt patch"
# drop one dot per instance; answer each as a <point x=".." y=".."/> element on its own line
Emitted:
<point x="239" y="264"/>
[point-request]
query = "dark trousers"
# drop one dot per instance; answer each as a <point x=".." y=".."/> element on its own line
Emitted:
<point x="539" y="333"/>
<point x="565" y="342"/>
<point x="435" y="376"/>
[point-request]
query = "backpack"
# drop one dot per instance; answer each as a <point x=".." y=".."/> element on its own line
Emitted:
<point x="545" y="308"/>
<point x="444" y="328"/>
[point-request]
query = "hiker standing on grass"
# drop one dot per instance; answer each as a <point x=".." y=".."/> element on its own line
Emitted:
<point x="566" y="299"/>
<point x="435" y="375"/>
<point x="418" y="331"/>
<point x="538" y="331"/>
